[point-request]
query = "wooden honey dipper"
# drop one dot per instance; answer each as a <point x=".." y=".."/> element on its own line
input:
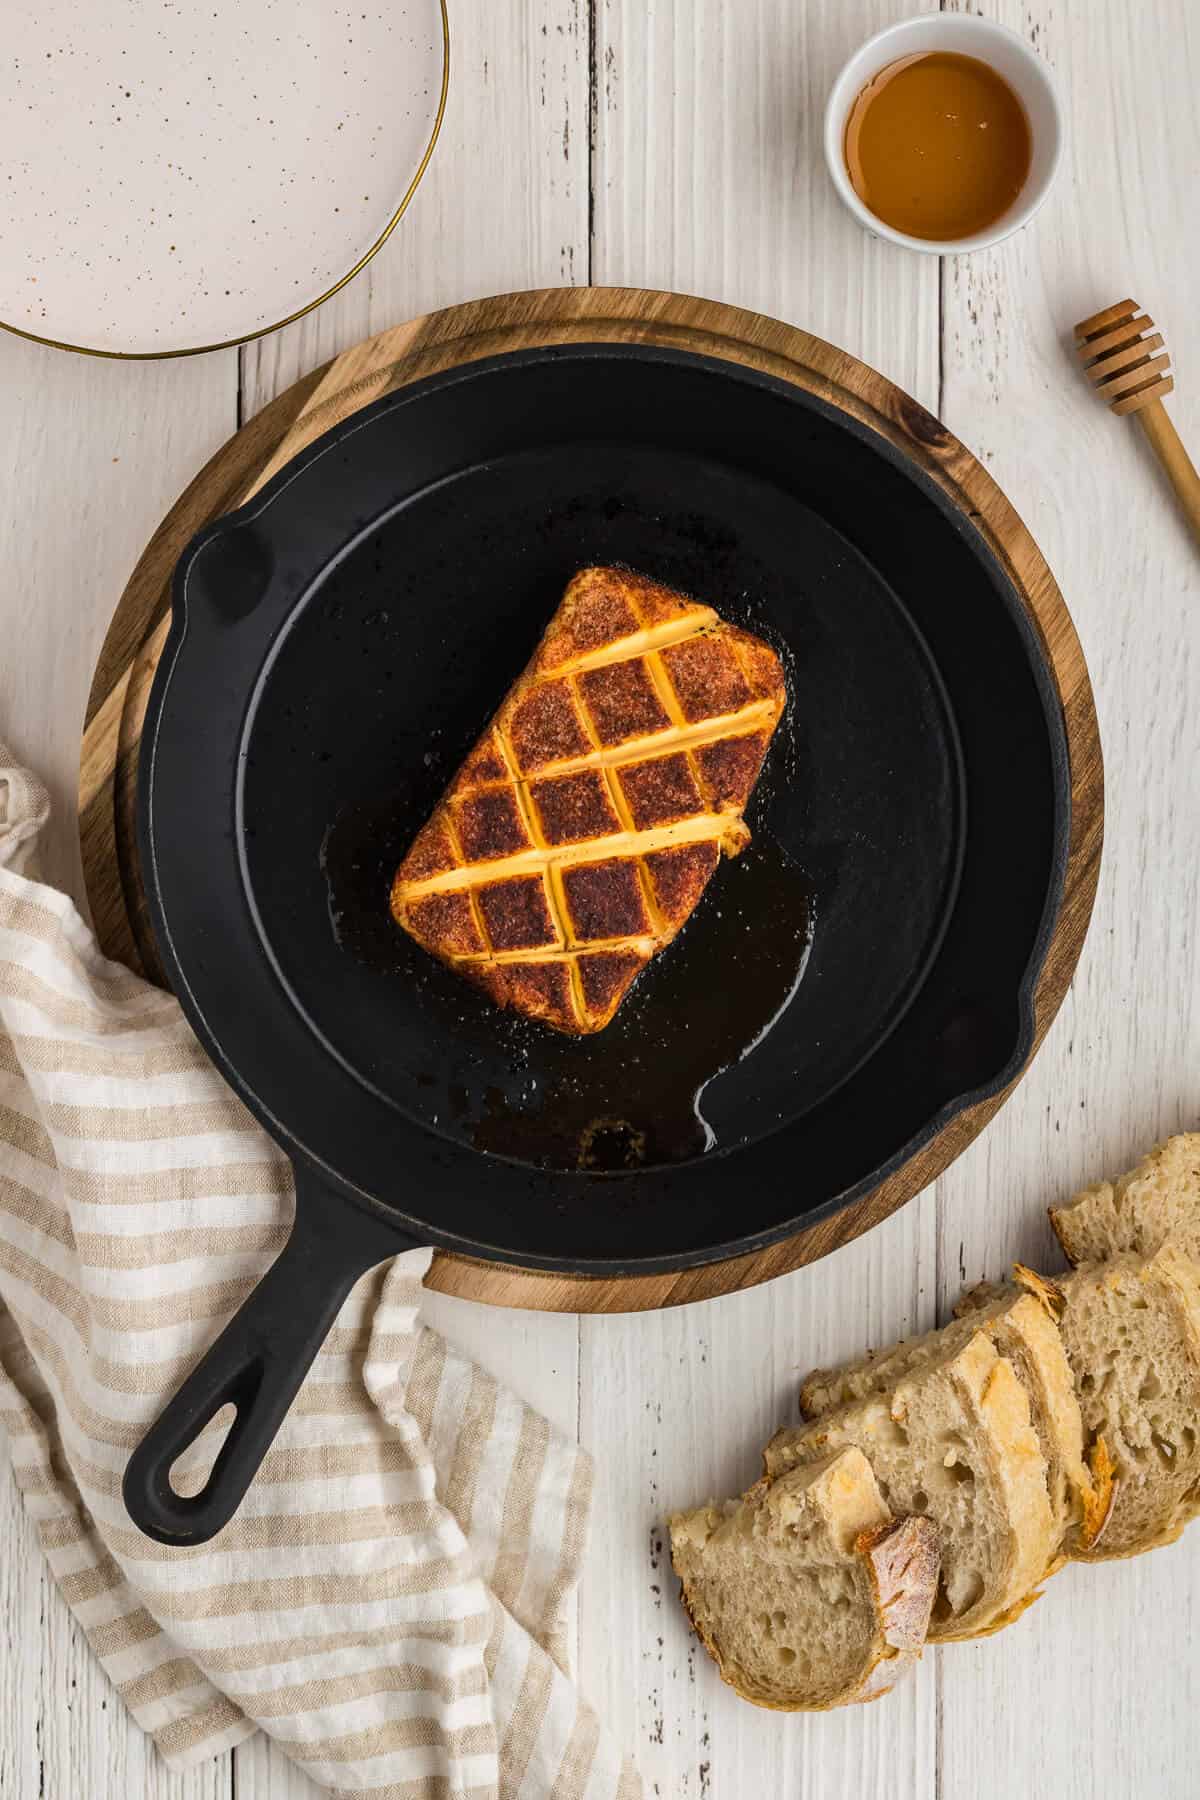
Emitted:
<point x="1121" y="365"/>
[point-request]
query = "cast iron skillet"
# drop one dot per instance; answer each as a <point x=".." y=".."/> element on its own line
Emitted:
<point x="335" y="648"/>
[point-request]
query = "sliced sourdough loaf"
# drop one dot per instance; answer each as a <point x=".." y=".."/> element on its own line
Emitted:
<point x="952" y="1440"/>
<point x="1131" y="1330"/>
<point x="806" y="1592"/>
<point x="1021" y="1324"/>
<point x="1160" y="1199"/>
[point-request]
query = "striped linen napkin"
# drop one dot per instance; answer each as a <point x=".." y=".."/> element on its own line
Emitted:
<point x="388" y="1603"/>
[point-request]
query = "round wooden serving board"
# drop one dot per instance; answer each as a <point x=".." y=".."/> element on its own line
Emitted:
<point x="117" y="703"/>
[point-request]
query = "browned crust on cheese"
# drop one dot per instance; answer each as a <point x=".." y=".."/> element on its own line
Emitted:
<point x="544" y="727"/>
<point x="622" y="703"/>
<point x="606" y="976"/>
<point x="574" y="808"/>
<point x="515" y="914"/>
<point x="450" y="918"/>
<point x="584" y="825"/>
<point x="679" y="877"/>
<point x="729" y="768"/>
<point x="660" y="790"/>
<point x="605" y="900"/>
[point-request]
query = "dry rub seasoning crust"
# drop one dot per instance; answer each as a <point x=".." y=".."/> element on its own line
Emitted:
<point x="583" y="827"/>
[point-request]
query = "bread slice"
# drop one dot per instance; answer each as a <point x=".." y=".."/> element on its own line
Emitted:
<point x="807" y="1593"/>
<point x="1021" y="1323"/>
<point x="952" y="1440"/>
<point x="1139" y="1211"/>
<point x="1131" y="1330"/>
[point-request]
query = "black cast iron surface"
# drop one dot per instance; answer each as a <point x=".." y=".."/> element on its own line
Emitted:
<point x="863" y="972"/>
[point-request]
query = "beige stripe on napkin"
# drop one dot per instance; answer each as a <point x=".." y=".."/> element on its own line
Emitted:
<point x="389" y="1601"/>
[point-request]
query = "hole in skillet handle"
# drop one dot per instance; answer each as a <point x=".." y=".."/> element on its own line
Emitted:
<point x="189" y="1472"/>
<point x="257" y="1365"/>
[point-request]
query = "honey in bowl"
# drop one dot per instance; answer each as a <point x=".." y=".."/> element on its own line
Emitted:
<point x="938" y="146"/>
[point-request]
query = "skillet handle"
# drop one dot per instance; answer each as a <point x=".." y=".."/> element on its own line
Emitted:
<point x="258" y="1364"/>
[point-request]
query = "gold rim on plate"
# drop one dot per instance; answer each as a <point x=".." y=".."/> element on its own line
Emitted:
<point x="235" y="343"/>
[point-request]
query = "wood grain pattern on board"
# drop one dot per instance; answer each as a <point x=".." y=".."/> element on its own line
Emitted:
<point x="116" y="708"/>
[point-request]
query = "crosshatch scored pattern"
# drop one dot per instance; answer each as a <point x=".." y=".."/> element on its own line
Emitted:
<point x="584" y="826"/>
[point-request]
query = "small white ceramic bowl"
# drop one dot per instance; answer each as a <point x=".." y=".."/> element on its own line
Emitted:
<point x="966" y="35"/>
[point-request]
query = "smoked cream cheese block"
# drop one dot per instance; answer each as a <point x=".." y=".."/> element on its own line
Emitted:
<point x="583" y="828"/>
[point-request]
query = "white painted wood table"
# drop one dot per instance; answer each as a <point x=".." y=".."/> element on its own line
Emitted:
<point x="675" y="144"/>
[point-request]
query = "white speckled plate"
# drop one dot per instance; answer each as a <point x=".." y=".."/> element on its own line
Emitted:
<point x="182" y="174"/>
